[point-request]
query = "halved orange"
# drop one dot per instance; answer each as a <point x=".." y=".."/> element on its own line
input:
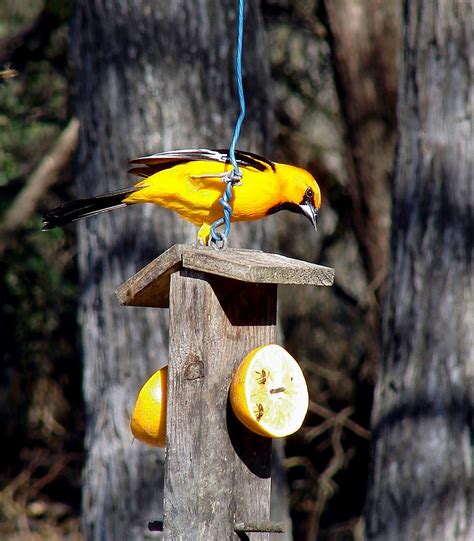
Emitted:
<point x="148" y="421"/>
<point x="268" y="392"/>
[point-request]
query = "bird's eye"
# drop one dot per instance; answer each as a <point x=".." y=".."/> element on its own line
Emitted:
<point x="309" y="193"/>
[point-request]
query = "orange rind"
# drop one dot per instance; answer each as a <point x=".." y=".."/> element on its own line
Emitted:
<point x="148" y="420"/>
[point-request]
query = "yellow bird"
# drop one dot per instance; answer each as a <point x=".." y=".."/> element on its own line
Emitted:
<point x="190" y="183"/>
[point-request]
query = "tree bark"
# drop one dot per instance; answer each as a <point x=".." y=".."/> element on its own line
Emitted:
<point x="365" y="36"/>
<point x="422" y="481"/>
<point x="149" y="76"/>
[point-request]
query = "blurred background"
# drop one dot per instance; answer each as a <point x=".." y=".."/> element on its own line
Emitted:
<point x="334" y="72"/>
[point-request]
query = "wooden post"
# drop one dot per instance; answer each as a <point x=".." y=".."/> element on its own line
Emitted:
<point x="222" y="305"/>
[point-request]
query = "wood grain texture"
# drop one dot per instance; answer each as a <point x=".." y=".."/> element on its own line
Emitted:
<point x="422" y="481"/>
<point x="150" y="286"/>
<point x="217" y="473"/>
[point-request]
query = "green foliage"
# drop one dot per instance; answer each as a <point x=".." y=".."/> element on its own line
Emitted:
<point x="37" y="318"/>
<point x="40" y="389"/>
<point x="40" y="384"/>
<point x="32" y="107"/>
<point x="15" y="14"/>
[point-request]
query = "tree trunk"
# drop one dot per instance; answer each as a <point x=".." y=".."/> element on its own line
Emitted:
<point x="149" y="76"/>
<point x="365" y="36"/>
<point x="422" y="483"/>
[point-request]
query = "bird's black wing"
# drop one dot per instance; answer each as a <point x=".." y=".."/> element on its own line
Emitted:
<point x="250" y="159"/>
<point x="148" y="165"/>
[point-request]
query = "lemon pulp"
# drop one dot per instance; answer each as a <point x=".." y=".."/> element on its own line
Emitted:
<point x="268" y="392"/>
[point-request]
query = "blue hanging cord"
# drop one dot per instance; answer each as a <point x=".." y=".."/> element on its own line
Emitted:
<point x="218" y="239"/>
<point x="240" y="87"/>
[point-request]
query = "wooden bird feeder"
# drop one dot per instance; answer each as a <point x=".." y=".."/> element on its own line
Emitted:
<point x="221" y="306"/>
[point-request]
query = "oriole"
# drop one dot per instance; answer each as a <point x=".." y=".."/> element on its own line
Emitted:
<point x="189" y="182"/>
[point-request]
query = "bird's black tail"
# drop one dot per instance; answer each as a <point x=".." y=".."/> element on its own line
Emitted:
<point x="81" y="208"/>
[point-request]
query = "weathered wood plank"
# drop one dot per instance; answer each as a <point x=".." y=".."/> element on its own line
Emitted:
<point x="217" y="473"/>
<point x="150" y="286"/>
<point x="257" y="267"/>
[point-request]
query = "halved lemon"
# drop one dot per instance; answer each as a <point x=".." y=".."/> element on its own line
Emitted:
<point x="148" y="421"/>
<point x="268" y="393"/>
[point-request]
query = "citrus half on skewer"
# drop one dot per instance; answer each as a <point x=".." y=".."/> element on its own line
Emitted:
<point x="268" y="392"/>
<point x="148" y="421"/>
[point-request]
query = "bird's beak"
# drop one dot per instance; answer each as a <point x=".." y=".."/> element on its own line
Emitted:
<point x="311" y="213"/>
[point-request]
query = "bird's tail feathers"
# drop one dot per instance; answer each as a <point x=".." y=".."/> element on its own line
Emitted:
<point x="82" y="208"/>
